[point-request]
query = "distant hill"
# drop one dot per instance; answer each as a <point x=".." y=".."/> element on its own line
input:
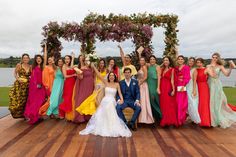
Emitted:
<point x="12" y="61"/>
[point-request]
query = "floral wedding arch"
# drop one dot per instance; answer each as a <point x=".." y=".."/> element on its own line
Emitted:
<point x="137" y="27"/>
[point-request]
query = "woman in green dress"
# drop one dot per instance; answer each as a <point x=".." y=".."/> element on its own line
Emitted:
<point x="221" y="113"/>
<point x="153" y="81"/>
<point x="19" y="92"/>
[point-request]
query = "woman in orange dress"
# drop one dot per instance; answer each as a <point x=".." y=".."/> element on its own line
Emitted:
<point x="48" y="78"/>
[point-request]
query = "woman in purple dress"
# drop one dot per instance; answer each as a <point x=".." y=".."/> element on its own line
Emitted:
<point x="85" y="89"/>
<point x="182" y="77"/>
<point x="37" y="92"/>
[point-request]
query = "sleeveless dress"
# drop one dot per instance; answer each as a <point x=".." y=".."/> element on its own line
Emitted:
<point x="167" y="102"/>
<point x="56" y="94"/>
<point x="100" y="87"/>
<point x="145" y="115"/>
<point x="192" y="101"/>
<point x="89" y="105"/>
<point x="18" y="94"/>
<point x="204" y="98"/>
<point x="182" y="78"/>
<point x="105" y="121"/>
<point x="85" y="89"/>
<point x="48" y="78"/>
<point x="66" y="105"/>
<point x="37" y="96"/>
<point x="221" y="114"/>
<point x="152" y="86"/>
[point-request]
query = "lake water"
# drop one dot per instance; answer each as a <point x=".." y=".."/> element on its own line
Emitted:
<point x="7" y="78"/>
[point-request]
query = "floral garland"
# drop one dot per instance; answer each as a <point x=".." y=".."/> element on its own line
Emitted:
<point x="137" y="27"/>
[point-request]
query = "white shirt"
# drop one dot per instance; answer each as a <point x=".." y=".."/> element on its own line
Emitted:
<point x="127" y="82"/>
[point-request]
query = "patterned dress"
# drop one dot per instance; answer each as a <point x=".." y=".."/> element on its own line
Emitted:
<point x="18" y="94"/>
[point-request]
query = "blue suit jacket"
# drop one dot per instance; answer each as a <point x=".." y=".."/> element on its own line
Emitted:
<point x="134" y="87"/>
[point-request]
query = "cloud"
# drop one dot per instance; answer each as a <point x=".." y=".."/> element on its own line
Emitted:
<point x="205" y="25"/>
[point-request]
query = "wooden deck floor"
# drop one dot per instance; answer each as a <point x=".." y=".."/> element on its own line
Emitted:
<point x="61" y="139"/>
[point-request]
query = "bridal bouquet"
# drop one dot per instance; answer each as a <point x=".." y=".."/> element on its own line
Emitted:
<point x="93" y="57"/>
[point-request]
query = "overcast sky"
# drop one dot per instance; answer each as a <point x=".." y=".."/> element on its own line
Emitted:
<point x="205" y="26"/>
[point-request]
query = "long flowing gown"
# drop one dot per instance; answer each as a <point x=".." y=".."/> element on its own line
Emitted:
<point x="100" y="87"/>
<point x="18" y="94"/>
<point x="66" y="105"/>
<point x="48" y="78"/>
<point x="167" y="102"/>
<point x="85" y="89"/>
<point x="192" y="101"/>
<point x="145" y="115"/>
<point x="204" y="98"/>
<point x="36" y="96"/>
<point x="105" y="121"/>
<point x="182" y="77"/>
<point x="154" y="97"/>
<point x="56" y="94"/>
<point x="221" y="113"/>
<point x="89" y="105"/>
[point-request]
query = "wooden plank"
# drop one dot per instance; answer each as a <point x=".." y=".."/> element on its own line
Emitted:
<point x="61" y="139"/>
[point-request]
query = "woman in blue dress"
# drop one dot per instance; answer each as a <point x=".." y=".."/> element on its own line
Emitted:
<point x="57" y="90"/>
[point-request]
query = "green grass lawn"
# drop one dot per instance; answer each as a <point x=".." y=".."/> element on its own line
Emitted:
<point x="231" y="95"/>
<point x="4" y="99"/>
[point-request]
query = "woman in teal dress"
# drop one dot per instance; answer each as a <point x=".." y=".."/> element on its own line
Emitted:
<point x="57" y="90"/>
<point x="153" y="81"/>
<point x="221" y="114"/>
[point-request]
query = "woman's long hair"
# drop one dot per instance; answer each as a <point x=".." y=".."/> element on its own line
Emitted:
<point x="101" y="60"/>
<point x="220" y="61"/>
<point x="170" y="60"/>
<point x="115" y="80"/>
<point x="35" y="64"/>
<point x="80" y="64"/>
<point x="115" y="66"/>
<point x="23" y="55"/>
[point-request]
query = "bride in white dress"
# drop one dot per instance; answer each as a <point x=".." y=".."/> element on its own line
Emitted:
<point x="105" y="121"/>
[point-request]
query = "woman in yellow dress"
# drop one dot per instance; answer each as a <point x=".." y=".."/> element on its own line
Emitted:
<point x="89" y="105"/>
<point x="99" y="85"/>
<point x="19" y="92"/>
<point x="126" y="60"/>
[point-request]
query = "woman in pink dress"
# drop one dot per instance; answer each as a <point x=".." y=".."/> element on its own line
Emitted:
<point x="168" y="103"/>
<point x="70" y="77"/>
<point x="85" y="89"/>
<point x="182" y="77"/>
<point x="37" y="92"/>
<point x="145" y="115"/>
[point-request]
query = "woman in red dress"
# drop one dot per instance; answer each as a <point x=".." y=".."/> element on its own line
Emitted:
<point x="204" y="94"/>
<point x="70" y="77"/>
<point x="168" y="103"/>
<point x="112" y="67"/>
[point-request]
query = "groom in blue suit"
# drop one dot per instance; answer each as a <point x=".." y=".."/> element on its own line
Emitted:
<point x="131" y="95"/>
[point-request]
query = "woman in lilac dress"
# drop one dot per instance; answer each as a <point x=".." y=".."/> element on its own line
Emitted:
<point x="182" y="77"/>
<point x="85" y="89"/>
<point x="37" y="92"/>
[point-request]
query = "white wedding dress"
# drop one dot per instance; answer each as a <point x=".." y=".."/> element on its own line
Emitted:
<point x="105" y="121"/>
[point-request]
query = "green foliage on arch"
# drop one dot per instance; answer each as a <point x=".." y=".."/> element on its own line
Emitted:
<point x="137" y="27"/>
